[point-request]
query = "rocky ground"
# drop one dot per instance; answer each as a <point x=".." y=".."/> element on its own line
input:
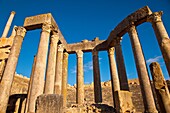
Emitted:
<point x="20" y="86"/>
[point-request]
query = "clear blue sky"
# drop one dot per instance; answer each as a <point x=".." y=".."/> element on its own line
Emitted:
<point x="86" y="19"/>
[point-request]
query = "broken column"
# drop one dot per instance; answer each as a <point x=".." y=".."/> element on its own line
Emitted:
<point x="50" y="103"/>
<point x="161" y="87"/>
<point x="40" y="67"/>
<point x="121" y="66"/>
<point x="58" y="74"/>
<point x="80" y="78"/>
<point x="50" y="75"/>
<point x="8" y="75"/>
<point x="162" y="37"/>
<point x="144" y="80"/>
<point x="113" y="73"/>
<point x="96" y="75"/>
<point x="64" y="78"/>
<point x="8" y="24"/>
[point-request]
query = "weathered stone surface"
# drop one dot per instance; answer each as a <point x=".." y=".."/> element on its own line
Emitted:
<point x="147" y="93"/>
<point x="96" y="77"/>
<point x="50" y="103"/>
<point x="80" y="78"/>
<point x="6" y="82"/>
<point x="40" y="67"/>
<point x="161" y="87"/>
<point x="124" y="102"/>
<point x="162" y="37"/>
<point x="8" y="24"/>
<point x="137" y="17"/>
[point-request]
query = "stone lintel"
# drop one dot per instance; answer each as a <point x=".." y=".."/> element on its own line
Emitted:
<point x="87" y="46"/>
<point x="35" y="22"/>
<point x="138" y="17"/>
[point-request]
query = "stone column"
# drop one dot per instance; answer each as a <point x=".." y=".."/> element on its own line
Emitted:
<point x="58" y="74"/>
<point x="80" y="78"/>
<point x="162" y="37"/>
<point x="121" y="66"/>
<point x="8" y="75"/>
<point x="30" y="85"/>
<point x="113" y="73"/>
<point x="64" y="78"/>
<point x="50" y="75"/>
<point x="8" y="24"/>
<point x="147" y="94"/>
<point x="17" y="105"/>
<point x="2" y="67"/>
<point x="96" y="75"/>
<point x="40" y="67"/>
<point x="161" y="87"/>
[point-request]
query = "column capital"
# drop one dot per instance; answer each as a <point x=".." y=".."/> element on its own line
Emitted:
<point x="118" y="40"/>
<point x="55" y="38"/>
<point x="79" y="53"/>
<point x="111" y="51"/>
<point x="60" y="47"/>
<point x="46" y="27"/>
<point x="155" y="17"/>
<point x="13" y="12"/>
<point x="132" y="27"/>
<point x="94" y="52"/>
<point x="21" y="31"/>
<point x="65" y="54"/>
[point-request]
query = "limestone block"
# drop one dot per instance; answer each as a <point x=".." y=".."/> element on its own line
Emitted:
<point x="124" y="102"/>
<point x="50" y="103"/>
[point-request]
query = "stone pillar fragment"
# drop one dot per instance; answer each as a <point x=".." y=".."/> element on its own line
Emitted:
<point x="144" y="80"/>
<point x="40" y="67"/>
<point x="58" y="74"/>
<point x="96" y="75"/>
<point x="30" y="85"/>
<point x="161" y="87"/>
<point x="17" y="105"/>
<point x="64" y="78"/>
<point x="121" y="67"/>
<point x="113" y="73"/>
<point x="80" y="78"/>
<point x="50" y="75"/>
<point x="2" y="67"/>
<point x="124" y="102"/>
<point x="50" y="103"/>
<point x="8" y="75"/>
<point x="8" y="24"/>
<point x="162" y="37"/>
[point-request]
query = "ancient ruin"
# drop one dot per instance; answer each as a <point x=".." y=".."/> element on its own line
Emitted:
<point x="51" y="95"/>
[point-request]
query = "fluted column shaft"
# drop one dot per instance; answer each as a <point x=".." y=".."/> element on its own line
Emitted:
<point x="96" y="75"/>
<point x="8" y="24"/>
<point x="113" y="72"/>
<point x="40" y="67"/>
<point x="80" y="78"/>
<point x="58" y="74"/>
<point x="30" y="85"/>
<point x="64" y="78"/>
<point x="147" y="94"/>
<point x="50" y="75"/>
<point x="9" y="72"/>
<point x="162" y="37"/>
<point x="121" y="67"/>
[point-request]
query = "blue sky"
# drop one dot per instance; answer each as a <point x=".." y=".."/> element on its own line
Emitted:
<point x="87" y="19"/>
